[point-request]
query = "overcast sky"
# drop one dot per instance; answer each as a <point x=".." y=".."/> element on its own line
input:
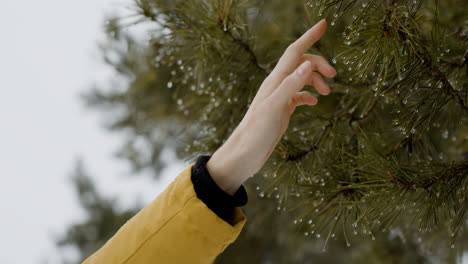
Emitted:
<point x="48" y="56"/>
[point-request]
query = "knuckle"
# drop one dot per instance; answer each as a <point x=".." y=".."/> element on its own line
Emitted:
<point x="292" y="78"/>
<point x="313" y="77"/>
<point x="318" y="57"/>
<point x="294" y="100"/>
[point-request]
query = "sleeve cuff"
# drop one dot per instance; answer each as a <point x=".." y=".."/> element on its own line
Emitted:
<point x="214" y="197"/>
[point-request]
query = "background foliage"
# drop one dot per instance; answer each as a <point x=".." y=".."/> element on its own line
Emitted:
<point x="376" y="171"/>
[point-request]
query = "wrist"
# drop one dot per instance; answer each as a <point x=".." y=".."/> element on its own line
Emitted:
<point x="226" y="168"/>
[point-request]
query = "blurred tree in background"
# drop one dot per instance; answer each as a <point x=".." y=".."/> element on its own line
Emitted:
<point x="103" y="218"/>
<point x="377" y="172"/>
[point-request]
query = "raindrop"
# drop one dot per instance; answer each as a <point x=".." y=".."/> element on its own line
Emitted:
<point x="445" y="134"/>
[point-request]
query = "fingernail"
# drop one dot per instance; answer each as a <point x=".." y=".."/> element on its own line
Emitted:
<point x="304" y="68"/>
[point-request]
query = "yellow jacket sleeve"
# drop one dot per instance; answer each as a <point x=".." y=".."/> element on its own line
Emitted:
<point x="176" y="227"/>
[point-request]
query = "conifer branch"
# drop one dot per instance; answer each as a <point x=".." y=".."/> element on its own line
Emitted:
<point x="242" y="44"/>
<point x="313" y="147"/>
<point x="398" y="146"/>
<point x="449" y="87"/>
<point x="437" y="73"/>
<point x="447" y="174"/>
<point x="324" y="131"/>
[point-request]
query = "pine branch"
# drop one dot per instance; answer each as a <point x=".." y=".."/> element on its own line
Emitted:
<point x="313" y="147"/>
<point x="436" y="72"/>
<point x="447" y="174"/>
<point x="242" y="44"/>
<point x="398" y="146"/>
<point x="449" y="87"/>
<point x="331" y="123"/>
<point x="454" y="61"/>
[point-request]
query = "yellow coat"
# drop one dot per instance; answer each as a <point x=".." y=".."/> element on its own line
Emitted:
<point x="176" y="227"/>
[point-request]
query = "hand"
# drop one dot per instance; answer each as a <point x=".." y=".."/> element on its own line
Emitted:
<point x="255" y="138"/>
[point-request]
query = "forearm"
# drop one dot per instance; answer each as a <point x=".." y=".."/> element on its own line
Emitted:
<point x="228" y="167"/>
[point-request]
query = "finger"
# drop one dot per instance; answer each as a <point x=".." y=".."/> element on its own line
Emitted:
<point x="293" y="83"/>
<point x="291" y="57"/>
<point x="301" y="98"/>
<point x="302" y="44"/>
<point x="319" y="64"/>
<point x="319" y="84"/>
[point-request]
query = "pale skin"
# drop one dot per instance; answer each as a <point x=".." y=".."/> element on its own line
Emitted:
<point x="250" y="145"/>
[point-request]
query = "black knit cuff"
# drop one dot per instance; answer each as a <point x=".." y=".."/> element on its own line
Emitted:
<point x="214" y="197"/>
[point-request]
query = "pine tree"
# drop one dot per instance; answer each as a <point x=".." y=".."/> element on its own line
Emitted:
<point x="103" y="218"/>
<point x="386" y="151"/>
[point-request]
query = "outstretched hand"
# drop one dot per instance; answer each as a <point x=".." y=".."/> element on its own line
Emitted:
<point x="256" y="136"/>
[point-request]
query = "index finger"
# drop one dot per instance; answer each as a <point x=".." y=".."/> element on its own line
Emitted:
<point x="302" y="44"/>
<point x="292" y="56"/>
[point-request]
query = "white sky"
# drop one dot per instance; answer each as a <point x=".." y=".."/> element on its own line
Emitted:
<point x="48" y="56"/>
